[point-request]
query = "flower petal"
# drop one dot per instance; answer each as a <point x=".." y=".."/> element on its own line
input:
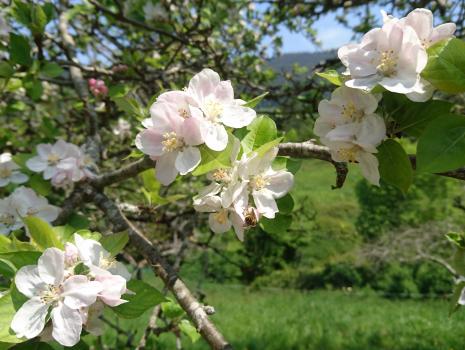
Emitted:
<point x="51" y="266"/>
<point x="28" y="281"/>
<point x="280" y="183"/>
<point x="36" y="164"/>
<point x="265" y="203"/>
<point x="187" y="160"/>
<point x="215" y="136"/>
<point x="166" y="171"/>
<point x="29" y="320"/>
<point x="237" y="116"/>
<point x="79" y="292"/>
<point x="67" y="325"/>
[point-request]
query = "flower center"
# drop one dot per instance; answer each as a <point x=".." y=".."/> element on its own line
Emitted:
<point x="348" y="154"/>
<point x="171" y="142"/>
<point x="258" y="182"/>
<point x="32" y="211"/>
<point x="221" y="217"/>
<point x="183" y="113"/>
<point x="213" y="109"/>
<point x="107" y="262"/>
<point x="351" y="112"/>
<point x="7" y="219"/>
<point x="53" y="159"/>
<point x="51" y="295"/>
<point x="222" y="175"/>
<point x="5" y="172"/>
<point x="388" y="63"/>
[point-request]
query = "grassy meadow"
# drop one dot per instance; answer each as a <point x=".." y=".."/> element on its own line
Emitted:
<point x="320" y="320"/>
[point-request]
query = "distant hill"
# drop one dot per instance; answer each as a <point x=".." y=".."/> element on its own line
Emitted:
<point x="284" y="62"/>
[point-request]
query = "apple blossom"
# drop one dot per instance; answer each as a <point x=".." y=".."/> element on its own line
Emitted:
<point x="9" y="171"/>
<point x="46" y="287"/>
<point x="264" y="183"/>
<point x="122" y="129"/>
<point x="170" y="138"/>
<point x="21" y="203"/>
<point x="97" y="87"/>
<point x="391" y="56"/>
<point x="346" y="106"/>
<point x="216" y="100"/>
<point x="97" y="259"/>
<point x="221" y="217"/>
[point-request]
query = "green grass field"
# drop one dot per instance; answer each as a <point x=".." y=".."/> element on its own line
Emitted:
<point x="321" y="320"/>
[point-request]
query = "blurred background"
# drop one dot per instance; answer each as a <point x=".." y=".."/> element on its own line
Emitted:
<point x="359" y="267"/>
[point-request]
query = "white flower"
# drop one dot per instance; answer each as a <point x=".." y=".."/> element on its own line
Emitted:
<point x="392" y="56"/>
<point x="9" y="171"/>
<point x="154" y="12"/>
<point x="48" y="157"/>
<point x="122" y="129"/>
<point x="21" y="203"/>
<point x="265" y="184"/>
<point x="351" y="152"/>
<point x="216" y="100"/>
<point x="99" y="261"/>
<point x="221" y="217"/>
<point x="347" y="106"/>
<point x="170" y="137"/>
<point x="45" y="286"/>
<point x="91" y="318"/>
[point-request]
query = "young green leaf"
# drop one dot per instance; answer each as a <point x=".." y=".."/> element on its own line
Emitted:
<point x="115" y="243"/>
<point x="42" y="233"/>
<point x="446" y="66"/>
<point x="212" y="160"/>
<point x="51" y="70"/>
<point x="332" y="76"/>
<point x="441" y="147"/>
<point x="20" y="50"/>
<point x="188" y="329"/>
<point x="261" y="131"/>
<point x="278" y="225"/>
<point x="171" y="309"/>
<point x="145" y="297"/>
<point x="394" y="165"/>
<point x="7" y="311"/>
<point x="255" y="101"/>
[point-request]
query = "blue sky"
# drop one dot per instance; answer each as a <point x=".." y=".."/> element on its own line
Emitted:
<point x="331" y="34"/>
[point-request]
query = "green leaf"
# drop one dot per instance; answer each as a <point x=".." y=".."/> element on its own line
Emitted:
<point x="119" y="90"/>
<point x="171" y="309"/>
<point x="150" y="181"/>
<point x="6" y="70"/>
<point x="38" y="20"/>
<point x="7" y="311"/>
<point x="42" y="233"/>
<point x="51" y="70"/>
<point x="263" y="149"/>
<point x="21" y="258"/>
<point x="34" y="88"/>
<point x="332" y="76"/>
<point x="413" y="117"/>
<point x="394" y="165"/>
<point x="135" y="153"/>
<point x="115" y="243"/>
<point x="20" y="50"/>
<point x="87" y="234"/>
<point x="34" y="345"/>
<point x="21" y="12"/>
<point x="131" y="107"/>
<point x="255" y="101"/>
<point x="456" y="238"/>
<point x="278" y="225"/>
<point x="458" y="261"/>
<point x="212" y="160"/>
<point x="145" y="297"/>
<point x="261" y="131"/>
<point x="446" y="66"/>
<point x="285" y="204"/>
<point x="442" y="145"/>
<point x="38" y="184"/>
<point x="7" y="268"/>
<point x="455" y="297"/>
<point x="78" y="222"/>
<point x="188" y="329"/>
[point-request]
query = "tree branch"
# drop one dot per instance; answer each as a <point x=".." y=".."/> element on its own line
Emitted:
<point x="182" y="294"/>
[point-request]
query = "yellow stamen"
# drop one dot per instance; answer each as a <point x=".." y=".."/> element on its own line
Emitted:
<point x="213" y="109"/>
<point x="171" y="142"/>
<point x="388" y="63"/>
<point x="221" y="217"/>
<point x="258" y="182"/>
<point x="351" y="112"/>
<point x="53" y="159"/>
<point x="221" y="175"/>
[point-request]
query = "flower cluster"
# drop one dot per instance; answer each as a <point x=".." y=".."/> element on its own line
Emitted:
<point x="238" y="196"/>
<point x="74" y="300"/>
<point x="394" y="55"/>
<point x="97" y="87"/>
<point x="183" y="120"/>
<point x="352" y="130"/>
<point x="9" y="171"/>
<point x="62" y="163"/>
<point x="21" y="203"/>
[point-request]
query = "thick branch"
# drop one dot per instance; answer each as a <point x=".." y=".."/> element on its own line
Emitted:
<point x="183" y="295"/>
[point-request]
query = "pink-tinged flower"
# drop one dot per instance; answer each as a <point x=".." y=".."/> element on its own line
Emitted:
<point x="9" y="171"/>
<point x="216" y="100"/>
<point x="346" y="106"/>
<point x="98" y="260"/>
<point x="113" y="287"/>
<point x="265" y="184"/>
<point x="97" y="87"/>
<point x="46" y="287"/>
<point x="392" y="56"/>
<point x="26" y="202"/>
<point x="170" y="138"/>
<point x="73" y="169"/>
